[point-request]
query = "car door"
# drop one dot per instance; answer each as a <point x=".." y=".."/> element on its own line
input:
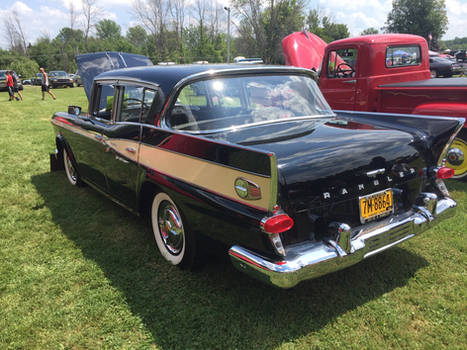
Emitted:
<point x="122" y="140"/>
<point x="340" y="84"/>
<point x="88" y="145"/>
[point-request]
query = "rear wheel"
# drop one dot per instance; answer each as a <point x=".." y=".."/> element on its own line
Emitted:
<point x="434" y="73"/>
<point x="174" y="241"/>
<point x="70" y="169"/>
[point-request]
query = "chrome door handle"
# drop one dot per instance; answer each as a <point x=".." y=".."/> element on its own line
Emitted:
<point x="353" y="81"/>
<point x="130" y="149"/>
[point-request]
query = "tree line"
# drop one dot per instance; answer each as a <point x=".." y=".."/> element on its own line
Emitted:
<point x="183" y="31"/>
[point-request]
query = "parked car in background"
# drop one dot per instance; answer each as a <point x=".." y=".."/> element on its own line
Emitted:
<point x="76" y="79"/>
<point x="248" y="60"/>
<point x="254" y="158"/>
<point x="443" y="67"/>
<point x="60" y="78"/>
<point x="461" y="56"/>
<point x="26" y="82"/>
<point x="3" y="80"/>
<point x="37" y="80"/>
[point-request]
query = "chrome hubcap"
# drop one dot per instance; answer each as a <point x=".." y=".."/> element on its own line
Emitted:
<point x="170" y="227"/>
<point x="455" y="156"/>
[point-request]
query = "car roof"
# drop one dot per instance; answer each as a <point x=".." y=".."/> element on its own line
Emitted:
<point x="390" y="39"/>
<point x="167" y="77"/>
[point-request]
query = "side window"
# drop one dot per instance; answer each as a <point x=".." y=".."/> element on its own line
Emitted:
<point x="136" y="102"/>
<point x="193" y="95"/>
<point x="402" y="56"/>
<point x="191" y="100"/>
<point x="103" y="105"/>
<point x="342" y="63"/>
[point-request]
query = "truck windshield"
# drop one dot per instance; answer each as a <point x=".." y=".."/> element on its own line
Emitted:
<point x="223" y="103"/>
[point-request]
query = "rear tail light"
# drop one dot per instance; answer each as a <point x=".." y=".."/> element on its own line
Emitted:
<point x="273" y="226"/>
<point x="277" y="223"/>
<point x="444" y="173"/>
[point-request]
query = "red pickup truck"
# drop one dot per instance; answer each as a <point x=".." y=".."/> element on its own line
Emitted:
<point x="386" y="73"/>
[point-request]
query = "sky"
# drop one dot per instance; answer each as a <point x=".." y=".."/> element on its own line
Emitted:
<point x="41" y="18"/>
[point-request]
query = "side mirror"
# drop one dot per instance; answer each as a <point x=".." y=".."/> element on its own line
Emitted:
<point x="76" y="110"/>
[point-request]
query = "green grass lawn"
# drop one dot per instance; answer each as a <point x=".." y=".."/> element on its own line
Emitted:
<point x="77" y="271"/>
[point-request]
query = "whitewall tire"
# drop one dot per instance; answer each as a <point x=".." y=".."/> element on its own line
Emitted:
<point x="70" y="169"/>
<point x="172" y="237"/>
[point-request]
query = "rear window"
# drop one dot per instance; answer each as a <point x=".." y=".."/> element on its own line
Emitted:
<point x="228" y="102"/>
<point x="402" y="56"/>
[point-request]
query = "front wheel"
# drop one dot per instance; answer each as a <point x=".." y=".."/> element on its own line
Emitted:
<point x="434" y="73"/>
<point x="456" y="157"/>
<point x="174" y="241"/>
<point x="70" y="169"/>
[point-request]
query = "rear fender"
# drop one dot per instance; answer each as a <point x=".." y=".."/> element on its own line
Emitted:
<point x="432" y="135"/>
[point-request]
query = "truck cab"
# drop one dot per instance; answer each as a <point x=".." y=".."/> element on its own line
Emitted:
<point x="353" y="69"/>
<point x="387" y="73"/>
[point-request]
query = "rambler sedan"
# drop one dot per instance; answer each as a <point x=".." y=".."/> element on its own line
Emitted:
<point x="252" y="157"/>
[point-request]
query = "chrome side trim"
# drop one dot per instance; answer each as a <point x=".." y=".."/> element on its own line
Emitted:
<point x="311" y="259"/>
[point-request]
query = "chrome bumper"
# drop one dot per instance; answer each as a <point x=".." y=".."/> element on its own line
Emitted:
<point x="309" y="260"/>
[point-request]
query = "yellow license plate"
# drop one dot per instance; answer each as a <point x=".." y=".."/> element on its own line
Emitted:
<point x="376" y="205"/>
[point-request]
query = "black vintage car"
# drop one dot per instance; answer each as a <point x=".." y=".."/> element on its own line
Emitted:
<point x="254" y="158"/>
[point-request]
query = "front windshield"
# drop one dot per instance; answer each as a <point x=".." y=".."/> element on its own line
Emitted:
<point x="58" y="74"/>
<point x="227" y="102"/>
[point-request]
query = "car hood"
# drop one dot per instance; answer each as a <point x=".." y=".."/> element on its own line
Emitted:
<point x="303" y="49"/>
<point x="92" y="64"/>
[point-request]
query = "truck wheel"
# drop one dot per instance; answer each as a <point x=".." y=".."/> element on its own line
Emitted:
<point x="174" y="241"/>
<point x="456" y="157"/>
<point x="434" y="73"/>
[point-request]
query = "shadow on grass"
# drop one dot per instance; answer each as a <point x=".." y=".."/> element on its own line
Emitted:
<point x="215" y="307"/>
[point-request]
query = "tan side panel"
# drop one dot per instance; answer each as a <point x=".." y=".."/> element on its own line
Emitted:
<point x="205" y="174"/>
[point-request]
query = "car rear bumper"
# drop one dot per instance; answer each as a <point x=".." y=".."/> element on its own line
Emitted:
<point x="309" y="260"/>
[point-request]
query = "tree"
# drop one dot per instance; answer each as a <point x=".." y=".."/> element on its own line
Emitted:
<point x="426" y="18"/>
<point x="137" y="36"/>
<point x="91" y="12"/>
<point x="263" y="24"/>
<point x="22" y="65"/>
<point x="108" y="30"/>
<point x="369" y="31"/>
<point x="323" y="26"/>
<point x="154" y="15"/>
<point x="14" y="33"/>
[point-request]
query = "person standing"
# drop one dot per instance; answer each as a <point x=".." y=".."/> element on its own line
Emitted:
<point x="9" y="85"/>
<point x="45" y="84"/>
<point x="15" y="86"/>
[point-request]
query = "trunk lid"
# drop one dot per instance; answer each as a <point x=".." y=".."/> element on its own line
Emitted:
<point x="326" y="165"/>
